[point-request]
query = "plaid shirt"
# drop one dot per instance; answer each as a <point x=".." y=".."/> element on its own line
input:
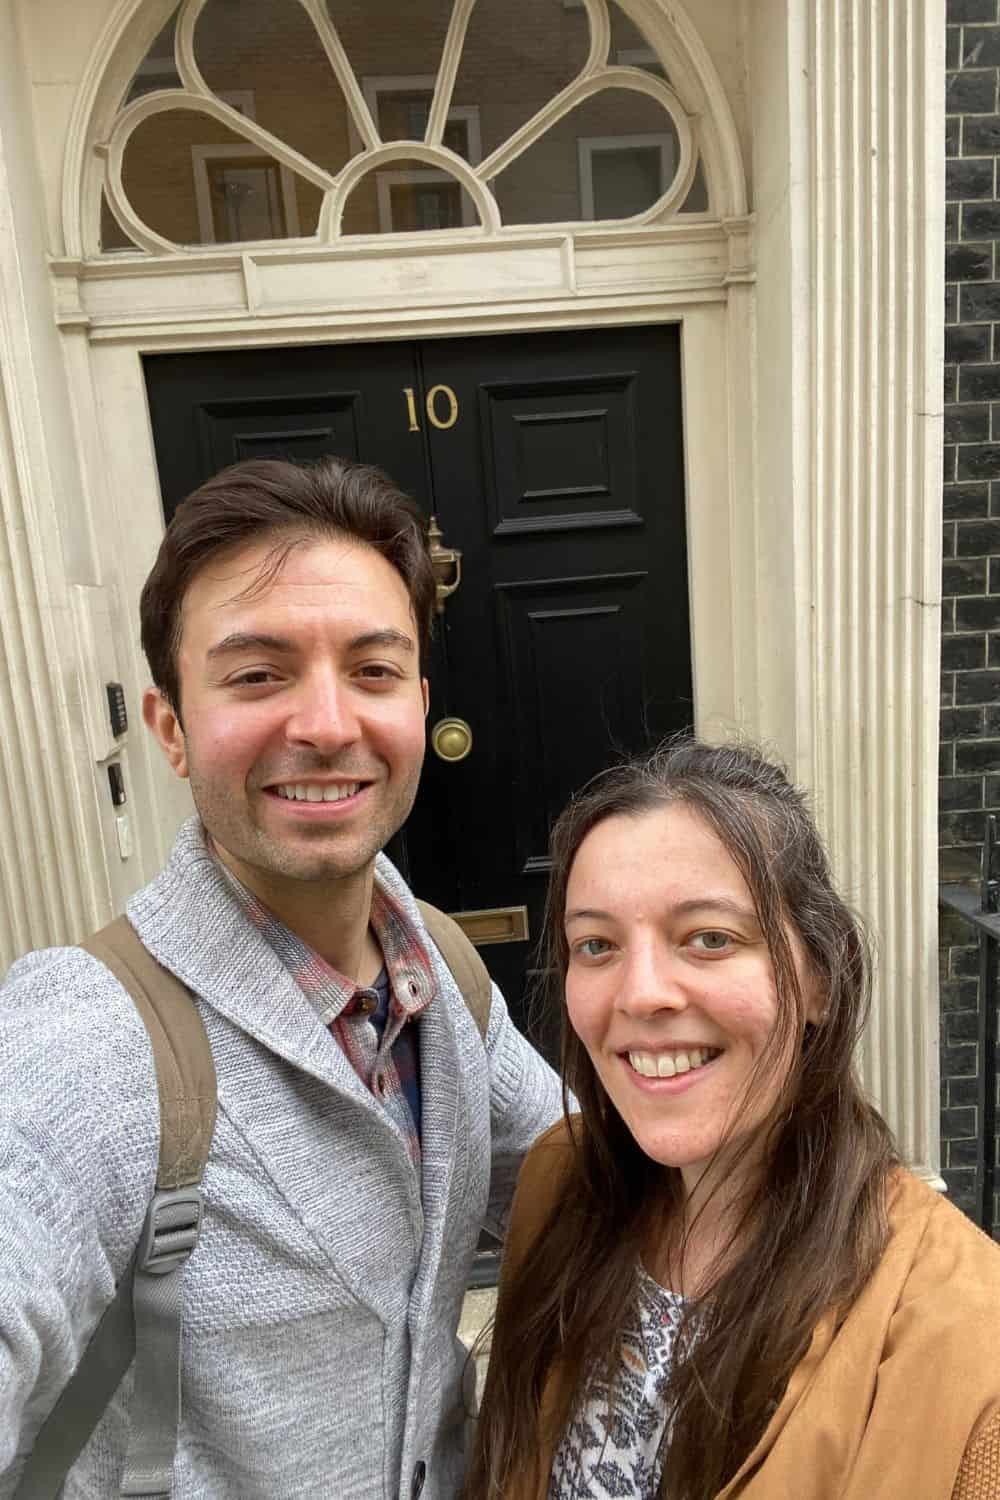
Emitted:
<point x="372" y="1028"/>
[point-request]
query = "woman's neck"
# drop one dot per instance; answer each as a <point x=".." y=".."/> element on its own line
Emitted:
<point x="692" y="1242"/>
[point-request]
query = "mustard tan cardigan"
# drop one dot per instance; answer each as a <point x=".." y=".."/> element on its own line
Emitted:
<point x="901" y="1403"/>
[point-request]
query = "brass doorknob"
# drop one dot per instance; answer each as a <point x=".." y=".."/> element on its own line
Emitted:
<point x="451" y="739"/>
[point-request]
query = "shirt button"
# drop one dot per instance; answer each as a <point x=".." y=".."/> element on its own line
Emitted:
<point x="380" y="1086"/>
<point x="365" y="1004"/>
<point x="419" y="1475"/>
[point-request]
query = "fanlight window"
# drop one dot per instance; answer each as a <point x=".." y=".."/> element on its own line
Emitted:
<point x="263" y="120"/>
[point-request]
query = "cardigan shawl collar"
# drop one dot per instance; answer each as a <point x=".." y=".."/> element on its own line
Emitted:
<point x="883" y="1407"/>
<point x="191" y="921"/>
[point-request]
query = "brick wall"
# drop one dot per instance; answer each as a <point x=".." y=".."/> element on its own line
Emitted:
<point x="970" y="646"/>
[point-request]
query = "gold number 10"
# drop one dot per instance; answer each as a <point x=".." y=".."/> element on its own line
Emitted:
<point x="442" y="424"/>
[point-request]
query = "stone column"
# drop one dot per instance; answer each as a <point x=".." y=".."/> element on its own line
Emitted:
<point x="52" y="870"/>
<point x="874" y="81"/>
<point x="848" y="101"/>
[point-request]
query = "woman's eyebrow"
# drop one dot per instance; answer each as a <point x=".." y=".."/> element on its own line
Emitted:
<point x="589" y="913"/>
<point x="723" y="904"/>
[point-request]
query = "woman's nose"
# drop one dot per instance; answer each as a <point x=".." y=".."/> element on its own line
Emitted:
<point x="654" y="980"/>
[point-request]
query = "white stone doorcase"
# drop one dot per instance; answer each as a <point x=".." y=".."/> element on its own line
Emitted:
<point x="768" y="175"/>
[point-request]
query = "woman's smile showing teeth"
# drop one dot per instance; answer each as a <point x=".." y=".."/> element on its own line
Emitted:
<point x="668" y="1064"/>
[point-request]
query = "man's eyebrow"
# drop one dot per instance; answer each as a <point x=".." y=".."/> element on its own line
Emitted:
<point x="239" y="641"/>
<point x="387" y="637"/>
<point x="243" y="640"/>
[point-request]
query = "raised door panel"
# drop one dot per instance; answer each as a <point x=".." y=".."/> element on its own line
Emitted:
<point x="298" y="427"/>
<point x="210" y="410"/>
<point x="559" y="454"/>
<point x="574" y="658"/>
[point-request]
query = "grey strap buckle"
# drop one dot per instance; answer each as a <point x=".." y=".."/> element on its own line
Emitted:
<point x="171" y="1230"/>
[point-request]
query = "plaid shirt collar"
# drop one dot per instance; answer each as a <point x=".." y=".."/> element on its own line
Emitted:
<point x="331" y="993"/>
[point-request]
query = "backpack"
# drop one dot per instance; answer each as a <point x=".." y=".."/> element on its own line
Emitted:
<point x="144" y="1319"/>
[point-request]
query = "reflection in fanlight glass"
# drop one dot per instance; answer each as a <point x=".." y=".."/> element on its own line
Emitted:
<point x="309" y="87"/>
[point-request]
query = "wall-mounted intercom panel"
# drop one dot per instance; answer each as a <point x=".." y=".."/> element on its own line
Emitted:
<point x="104" y="704"/>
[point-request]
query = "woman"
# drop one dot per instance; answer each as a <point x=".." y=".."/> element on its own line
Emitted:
<point x="719" y="1282"/>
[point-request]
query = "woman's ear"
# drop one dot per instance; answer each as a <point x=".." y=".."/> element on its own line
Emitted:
<point x="815" y="1001"/>
<point x="812" y="989"/>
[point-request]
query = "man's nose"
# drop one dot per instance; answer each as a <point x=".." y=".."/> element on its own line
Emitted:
<point x="324" y="714"/>
<point x="654" y="979"/>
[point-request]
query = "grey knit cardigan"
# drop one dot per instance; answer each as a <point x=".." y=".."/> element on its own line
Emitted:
<point x="320" y="1355"/>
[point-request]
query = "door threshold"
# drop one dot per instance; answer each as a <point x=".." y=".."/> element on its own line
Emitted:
<point x="485" y="1270"/>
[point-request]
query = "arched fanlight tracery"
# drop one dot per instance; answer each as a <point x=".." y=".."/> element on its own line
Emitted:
<point x="437" y="147"/>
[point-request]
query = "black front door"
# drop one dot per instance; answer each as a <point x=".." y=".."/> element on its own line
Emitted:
<point x="554" y="463"/>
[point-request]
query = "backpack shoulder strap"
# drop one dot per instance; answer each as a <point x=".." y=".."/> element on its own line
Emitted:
<point x="468" y="969"/>
<point x="144" y="1319"/>
<point x="182" y="1057"/>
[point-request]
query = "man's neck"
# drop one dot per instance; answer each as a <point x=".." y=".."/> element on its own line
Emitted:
<point x="332" y="916"/>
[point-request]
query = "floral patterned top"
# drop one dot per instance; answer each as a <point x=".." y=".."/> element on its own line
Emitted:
<point x="619" y="1454"/>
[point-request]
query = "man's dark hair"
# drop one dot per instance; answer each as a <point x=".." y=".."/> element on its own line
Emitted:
<point x="274" y="498"/>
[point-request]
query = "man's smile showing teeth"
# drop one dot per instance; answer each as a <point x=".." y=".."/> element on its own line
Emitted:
<point x="311" y="791"/>
<point x="668" y="1064"/>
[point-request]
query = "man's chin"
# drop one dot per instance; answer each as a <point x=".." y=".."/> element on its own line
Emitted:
<point x="317" y="866"/>
<point x="267" y="861"/>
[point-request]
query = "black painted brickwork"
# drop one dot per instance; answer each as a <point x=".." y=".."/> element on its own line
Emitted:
<point x="970" y="645"/>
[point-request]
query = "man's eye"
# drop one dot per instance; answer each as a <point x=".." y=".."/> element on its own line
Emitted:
<point x="254" y="678"/>
<point x="378" y="672"/>
<point x="712" y="941"/>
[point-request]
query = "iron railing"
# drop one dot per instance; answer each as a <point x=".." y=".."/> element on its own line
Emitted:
<point x="980" y="907"/>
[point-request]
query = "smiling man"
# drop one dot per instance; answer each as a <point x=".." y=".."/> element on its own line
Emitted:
<point x="366" y="1131"/>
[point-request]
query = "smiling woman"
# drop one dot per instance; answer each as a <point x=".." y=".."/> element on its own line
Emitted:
<point x="719" y="1281"/>
<point x="670" y="988"/>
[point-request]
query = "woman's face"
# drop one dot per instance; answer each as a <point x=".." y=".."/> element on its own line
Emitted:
<point x="670" y="987"/>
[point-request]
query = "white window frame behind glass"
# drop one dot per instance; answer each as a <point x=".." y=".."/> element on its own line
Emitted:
<point x="417" y="83"/>
<point x="637" y="57"/>
<point x="202" y="155"/>
<point x="589" y="145"/>
<point x="386" y="181"/>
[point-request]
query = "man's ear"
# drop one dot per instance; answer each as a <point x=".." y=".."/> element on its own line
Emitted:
<point x="425" y="690"/>
<point x="162" y="719"/>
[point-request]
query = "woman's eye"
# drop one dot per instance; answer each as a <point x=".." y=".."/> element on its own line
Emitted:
<point x="592" y="947"/>
<point x="712" y="942"/>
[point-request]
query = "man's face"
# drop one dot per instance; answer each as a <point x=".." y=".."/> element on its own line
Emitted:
<point x="303" y="709"/>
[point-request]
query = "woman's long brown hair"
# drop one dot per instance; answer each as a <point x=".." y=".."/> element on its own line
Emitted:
<point x="812" y="1224"/>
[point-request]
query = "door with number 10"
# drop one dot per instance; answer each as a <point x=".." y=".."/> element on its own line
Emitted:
<point x="553" y="464"/>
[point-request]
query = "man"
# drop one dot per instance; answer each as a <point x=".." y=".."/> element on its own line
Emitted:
<point x="365" y="1131"/>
